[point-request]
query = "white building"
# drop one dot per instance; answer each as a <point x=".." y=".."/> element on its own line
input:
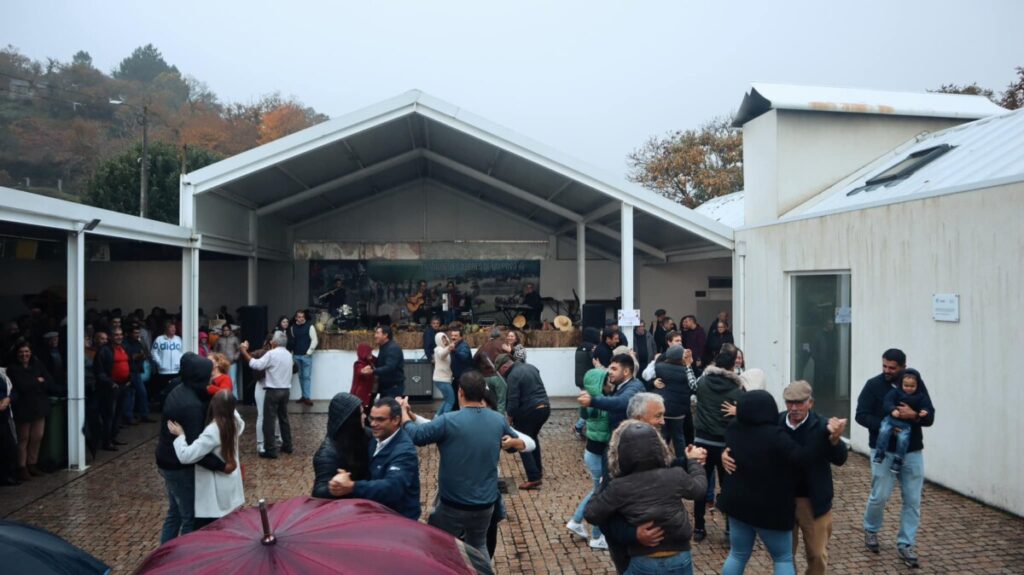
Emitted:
<point x="876" y="220"/>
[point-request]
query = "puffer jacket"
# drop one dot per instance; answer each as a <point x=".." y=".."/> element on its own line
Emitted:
<point x="715" y="386"/>
<point x="762" y="490"/>
<point x="186" y="404"/>
<point x="597" y="420"/>
<point x="330" y="457"/>
<point x="676" y="392"/>
<point x="644" y="487"/>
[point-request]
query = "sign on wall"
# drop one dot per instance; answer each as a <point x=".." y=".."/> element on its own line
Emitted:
<point x="946" y="307"/>
<point x="629" y="318"/>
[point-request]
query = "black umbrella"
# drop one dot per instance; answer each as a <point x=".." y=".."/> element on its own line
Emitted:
<point x="28" y="550"/>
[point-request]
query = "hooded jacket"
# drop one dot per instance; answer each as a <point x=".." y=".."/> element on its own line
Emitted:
<point x="442" y="358"/>
<point x="329" y="458"/>
<point x="585" y="353"/>
<point x="597" y="420"/>
<point x="645" y="488"/>
<point x="871" y="411"/>
<point x="186" y="404"/>
<point x="715" y="386"/>
<point x="362" y="383"/>
<point x="761" y="491"/>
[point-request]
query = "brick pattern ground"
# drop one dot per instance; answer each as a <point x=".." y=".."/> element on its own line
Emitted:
<point x="115" y="510"/>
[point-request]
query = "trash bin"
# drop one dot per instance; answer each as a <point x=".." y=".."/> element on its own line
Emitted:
<point x="53" y="453"/>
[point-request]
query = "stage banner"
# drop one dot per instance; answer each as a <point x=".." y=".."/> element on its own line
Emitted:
<point x="391" y="288"/>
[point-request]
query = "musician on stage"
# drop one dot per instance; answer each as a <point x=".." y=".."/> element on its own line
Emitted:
<point x="420" y="302"/>
<point x="454" y="299"/>
<point x="532" y="298"/>
<point x="335" y="298"/>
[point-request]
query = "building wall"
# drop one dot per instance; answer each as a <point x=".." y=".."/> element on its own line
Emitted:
<point x="128" y="285"/>
<point x="899" y="255"/>
<point x="789" y="156"/>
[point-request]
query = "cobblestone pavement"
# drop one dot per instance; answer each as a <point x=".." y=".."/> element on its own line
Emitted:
<point x="115" y="510"/>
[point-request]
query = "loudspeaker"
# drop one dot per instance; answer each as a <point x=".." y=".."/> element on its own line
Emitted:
<point x="253" y="319"/>
<point x="419" y="379"/>
<point x="253" y="322"/>
<point x="593" y="315"/>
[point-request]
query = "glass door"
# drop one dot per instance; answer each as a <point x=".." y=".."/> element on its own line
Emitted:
<point x="820" y="329"/>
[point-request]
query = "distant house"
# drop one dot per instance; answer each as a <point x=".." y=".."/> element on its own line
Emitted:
<point x="873" y="220"/>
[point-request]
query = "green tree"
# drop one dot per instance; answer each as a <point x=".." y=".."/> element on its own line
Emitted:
<point x="82" y="58"/>
<point x="116" y="183"/>
<point x="1013" y="97"/>
<point x="691" y="166"/>
<point x="144" y="65"/>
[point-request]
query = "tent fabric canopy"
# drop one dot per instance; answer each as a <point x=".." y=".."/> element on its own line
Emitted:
<point x="415" y="137"/>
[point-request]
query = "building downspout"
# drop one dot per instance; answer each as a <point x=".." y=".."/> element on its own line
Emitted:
<point x="741" y="305"/>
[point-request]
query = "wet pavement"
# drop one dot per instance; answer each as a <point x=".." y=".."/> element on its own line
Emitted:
<point x="115" y="509"/>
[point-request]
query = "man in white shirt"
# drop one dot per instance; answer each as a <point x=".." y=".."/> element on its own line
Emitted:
<point x="277" y="363"/>
<point x="166" y="353"/>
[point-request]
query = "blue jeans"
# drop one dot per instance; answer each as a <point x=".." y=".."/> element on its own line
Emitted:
<point x="741" y="542"/>
<point x="911" y="478"/>
<point x="681" y="564"/>
<point x="447" y="397"/>
<point x="234" y="380"/>
<point x="595" y="465"/>
<point x="305" y="371"/>
<point x="889" y="425"/>
<point x="126" y="401"/>
<point x="181" y="495"/>
<point x="141" y="397"/>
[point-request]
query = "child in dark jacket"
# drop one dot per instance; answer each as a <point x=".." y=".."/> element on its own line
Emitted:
<point x="912" y="393"/>
<point x="645" y="488"/>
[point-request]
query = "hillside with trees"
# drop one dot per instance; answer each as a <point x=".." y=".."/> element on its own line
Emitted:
<point x="73" y="131"/>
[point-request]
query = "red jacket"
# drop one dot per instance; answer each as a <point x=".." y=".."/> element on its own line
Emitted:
<point x="362" y="383"/>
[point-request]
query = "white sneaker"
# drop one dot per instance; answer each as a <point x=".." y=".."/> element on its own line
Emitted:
<point x="599" y="543"/>
<point x="578" y="529"/>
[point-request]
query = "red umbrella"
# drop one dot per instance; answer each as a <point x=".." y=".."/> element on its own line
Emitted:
<point x="308" y="535"/>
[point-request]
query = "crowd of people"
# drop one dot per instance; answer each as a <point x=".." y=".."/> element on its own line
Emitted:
<point x="661" y="420"/>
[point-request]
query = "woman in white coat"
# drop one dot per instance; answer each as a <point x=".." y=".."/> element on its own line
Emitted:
<point x="217" y="494"/>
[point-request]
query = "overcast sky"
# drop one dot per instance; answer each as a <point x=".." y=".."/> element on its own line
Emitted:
<point x="592" y="79"/>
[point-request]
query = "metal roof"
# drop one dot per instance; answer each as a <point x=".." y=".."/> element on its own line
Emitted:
<point x="415" y="137"/>
<point x="727" y="209"/>
<point x="985" y="153"/>
<point x="764" y="97"/>
<point x="38" y="210"/>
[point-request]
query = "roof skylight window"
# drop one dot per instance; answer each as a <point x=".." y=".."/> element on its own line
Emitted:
<point x="902" y="169"/>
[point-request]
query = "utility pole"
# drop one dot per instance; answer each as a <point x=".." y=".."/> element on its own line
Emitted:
<point x="144" y="191"/>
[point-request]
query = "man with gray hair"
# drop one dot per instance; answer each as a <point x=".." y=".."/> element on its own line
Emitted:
<point x="277" y="363"/>
<point x="648" y="408"/>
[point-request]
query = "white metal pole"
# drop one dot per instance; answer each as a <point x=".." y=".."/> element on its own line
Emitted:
<point x="252" y="292"/>
<point x="189" y="272"/>
<point x="581" y="263"/>
<point x="76" y="349"/>
<point x="626" y="264"/>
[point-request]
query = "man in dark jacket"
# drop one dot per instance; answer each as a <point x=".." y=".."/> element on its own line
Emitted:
<point x="621" y="387"/>
<point x="529" y="408"/>
<point x="813" y="481"/>
<point x="112" y="368"/>
<point x="694" y="339"/>
<point x="428" y="337"/>
<point x="870" y="412"/>
<point x="603" y="351"/>
<point x="186" y="405"/>
<point x="658" y="330"/>
<point x="718" y="384"/>
<point x="390" y="370"/>
<point x="394" y="466"/>
<point x="462" y="356"/>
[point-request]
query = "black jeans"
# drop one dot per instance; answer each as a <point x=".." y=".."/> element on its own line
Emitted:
<point x="106" y="403"/>
<point x="674" y="433"/>
<point x="530" y="422"/>
<point x="275" y="407"/>
<point x="713" y="461"/>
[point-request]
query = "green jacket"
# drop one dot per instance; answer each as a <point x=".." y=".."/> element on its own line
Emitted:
<point x="597" y="419"/>
<point x="500" y="387"/>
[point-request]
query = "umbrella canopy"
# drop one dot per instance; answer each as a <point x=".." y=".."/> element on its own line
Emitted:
<point x="306" y="535"/>
<point x="28" y="550"/>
